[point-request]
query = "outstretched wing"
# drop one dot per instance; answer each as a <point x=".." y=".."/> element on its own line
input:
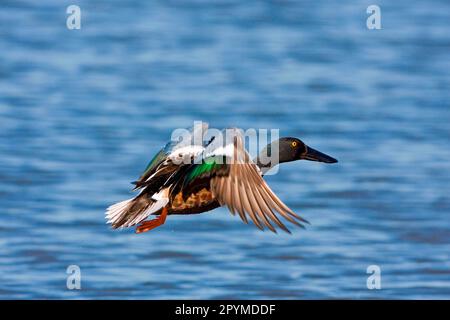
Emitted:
<point x="238" y="184"/>
<point x="151" y="168"/>
<point x="168" y="160"/>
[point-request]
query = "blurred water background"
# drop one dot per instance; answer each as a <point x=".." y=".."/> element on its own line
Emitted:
<point x="83" y="111"/>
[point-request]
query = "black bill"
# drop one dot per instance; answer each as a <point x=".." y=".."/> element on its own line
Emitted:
<point x="314" y="155"/>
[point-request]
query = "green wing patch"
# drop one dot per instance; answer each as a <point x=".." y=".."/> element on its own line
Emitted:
<point x="207" y="168"/>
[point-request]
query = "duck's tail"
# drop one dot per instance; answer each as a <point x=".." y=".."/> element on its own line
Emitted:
<point x="132" y="211"/>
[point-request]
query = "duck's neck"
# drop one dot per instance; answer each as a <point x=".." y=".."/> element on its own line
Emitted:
<point x="264" y="160"/>
<point x="262" y="166"/>
<point x="272" y="155"/>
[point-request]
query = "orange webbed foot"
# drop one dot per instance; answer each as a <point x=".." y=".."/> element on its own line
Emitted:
<point x="149" y="225"/>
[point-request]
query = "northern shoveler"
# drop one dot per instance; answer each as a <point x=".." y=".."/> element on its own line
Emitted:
<point x="225" y="176"/>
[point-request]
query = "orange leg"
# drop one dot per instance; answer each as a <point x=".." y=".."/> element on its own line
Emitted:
<point x="149" y="225"/>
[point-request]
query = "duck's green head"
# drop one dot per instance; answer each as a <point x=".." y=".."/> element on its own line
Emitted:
<point x="292" y="149"/>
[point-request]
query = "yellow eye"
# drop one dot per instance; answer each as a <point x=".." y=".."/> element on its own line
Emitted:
<point x="294" y="144"/>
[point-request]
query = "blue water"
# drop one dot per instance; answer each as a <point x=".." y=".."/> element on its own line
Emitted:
<point x="83" y="111"/>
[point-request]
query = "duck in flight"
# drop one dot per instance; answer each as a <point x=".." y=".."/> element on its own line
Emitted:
<point x="225" y="176"/>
